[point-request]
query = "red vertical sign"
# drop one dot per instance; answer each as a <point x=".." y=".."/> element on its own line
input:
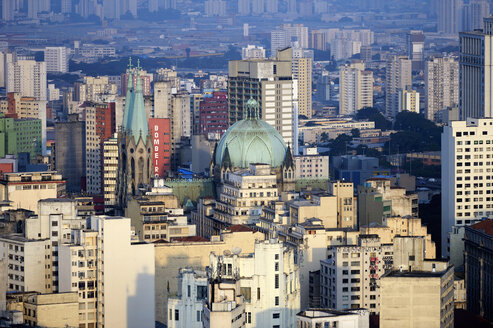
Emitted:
<point x="161" y="146"/>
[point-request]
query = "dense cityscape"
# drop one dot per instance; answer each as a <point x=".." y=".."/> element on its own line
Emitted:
<point x="246" y="163"/>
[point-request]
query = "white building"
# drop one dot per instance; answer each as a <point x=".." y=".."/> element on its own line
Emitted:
<point x="476" y="58"/>
<point x="398" y="77"/>
<point x="268" y="280"/>
<point x="467" y="163"/>
<point x="311" y="318"/>
<point x="114" y="277"/>
<point x="110" y="172"/>
<point x="355" y="88"/>
<point x="441" y="85"/>
<point x="252" y="52"/>
<point x="186" y="309"/>
<point x="56" y="59"/>
<point x="27" y="77"/>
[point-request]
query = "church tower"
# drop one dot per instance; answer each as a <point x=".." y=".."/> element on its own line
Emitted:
<point x="134" y="143"/>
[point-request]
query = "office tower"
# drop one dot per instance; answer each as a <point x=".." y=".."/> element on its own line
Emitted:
<point x="263" y="80"/>
<point x="441" y="85"/>
<point x="27" y="77"/>
<point x="398" y="77"/>
<point x="409" y="100"/>
<point x="466" y="168"/>
<point x="161" y="152"/>
<point x="56" y="59"/>
<point x="478" y="243"/>
<point x="8" y="10"/>
<point x="100" y="126"/>
<point x="110" y="173"/>
<point x="108" y="292"/>
<point x="70" y="152"/>
<point x="473" y="13"/>
<point x="20" y="136"/>
<point x="215" y="8"/>
<point x="214" y="114"/>
<point x="476" y="58"/>
<point x="415" y="49"/>
<point x="448" y="14"/>
<point x="355" y="88"/>
<point x="252" y="52"/>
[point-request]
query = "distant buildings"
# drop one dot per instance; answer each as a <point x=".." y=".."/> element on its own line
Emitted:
<point x="475" y="95"/>
<point x="398" y="77"/>
<point x="326" y="317"/>
<point x="20" y="136"/>
<point x="355" y="88"/>
<point x="448" y="14"/>
<point x="252" y="52"/>
<point x="214" y="114"/>
<point x="287" y="33"/>
<point x="415" y="49"/>
<point x="56" y="59"/>
<point x="409" y="100"/>
<point x="311" y="165"/>
<point x="27" y="77"/>
<point x="215" y="8"/>
<point x="473" y="13"/>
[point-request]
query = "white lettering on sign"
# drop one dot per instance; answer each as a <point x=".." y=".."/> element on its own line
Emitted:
<point x="156" y="135"/>
<point x="156" y="141"/>
<point x="156" y="128"/>
<point x="156" y="155"/>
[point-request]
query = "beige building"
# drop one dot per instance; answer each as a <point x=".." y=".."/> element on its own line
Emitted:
<point x="311" y="165"/>
<point x="441" y="85"/>
<point x="321" y="206"/>
<point x="421" y="298"/>
<point x="58" y="310"/>
<point x="27" y="77"/>
<point x="302" y="73"/>
<point x="398" y="77"/>
<point x="225" y="306"/>
<point x="25" y="189"/>
<point x="409" y="100"/>
<point x="193" y="253"/>
<point x="355" y="88"/>
<point x="94" y="89"/>
<point x="346" y="203"/>
<point x="244" y="193"/>
<point x="377" y="199"/>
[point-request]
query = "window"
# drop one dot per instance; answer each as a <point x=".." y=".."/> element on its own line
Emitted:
<point x="276" y="301"/>
<point x="276" y="256"/>
<point x="247" y="294"/>
<point x="249" y="317"/>
<point x="201" y="292"/>
<point x="170" y="314"/>
<point x="276" y="281"/>
<point x="276" y="266"/>
<point x="199" y="316"/>
<point x="276" y="315"/>
<point x="177" y="315"/>
<point x="258" y="293"/>
<point x="189" y="290"/>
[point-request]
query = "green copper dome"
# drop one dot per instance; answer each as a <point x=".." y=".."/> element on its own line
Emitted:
<point x="251" y="140"/>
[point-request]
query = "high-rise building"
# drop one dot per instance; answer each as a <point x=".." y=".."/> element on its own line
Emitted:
<point x="215" y="8"/>
<point x="20" y="136"/>
<point x="100" y="126"/>
<point x="478" y="246"/>
<point x="466" y="179"/>
<point x="318" y="40"/>
<point x="70" y="152"/>
<point x="94" y="89"/>
<point x="56" y="59"/>
<point x="302" y="75"/>
<point x="214" y="114"/>
<point x="161" y="152"/>
<point x="278" y="40"/>
<point x="263" y="80"/>
<point x="8" y="10"/>
<point x="476" y="58"/>
<point x="448" y="14"/>
<point x="398" y="77"/>
<point x="252" y="52"/>
<point x="355" y="88"/>
<point x="441" y="85"/>
<point x="110" y="173"/>
<point x="124" y="282"/>
<point x="27" y="77"/>
<point x="415" y="49"/>
<point x="409" y="100"/>
<point x="287" y="33"/>
<point x="473" y="13"/>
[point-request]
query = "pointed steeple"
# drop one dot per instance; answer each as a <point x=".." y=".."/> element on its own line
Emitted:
<point x="129" y="99"/>
<point x="138" y="124"/>
<point x="288" y="159"/>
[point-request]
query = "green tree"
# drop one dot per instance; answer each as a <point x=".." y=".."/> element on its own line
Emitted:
<point x="374" y="115"/>
<point x="355" y="133"/>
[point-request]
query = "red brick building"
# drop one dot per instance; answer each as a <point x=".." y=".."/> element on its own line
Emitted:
<point x="214" y="114"/>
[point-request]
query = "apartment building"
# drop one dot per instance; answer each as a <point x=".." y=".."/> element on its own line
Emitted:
<point x="355" y="87"/>
<point x="311" y="165"/>
<point x="110" y="273"/>
<point x="110" y="172"/>
<point x="56" y="59"/>
<point x="398" y="77"/>
<point x="441" y="85"/>
<point x="346" y="203"/>
<point x="27" y="77"/>
<point x="467" y="163"/>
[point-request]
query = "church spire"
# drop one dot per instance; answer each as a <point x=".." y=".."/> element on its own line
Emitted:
<point x="138" y="124"/>
<point x="129" y="99"/>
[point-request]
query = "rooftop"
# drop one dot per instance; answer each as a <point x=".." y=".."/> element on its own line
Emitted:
<point x="323" y="313"/>
<point x="485" y="226"/>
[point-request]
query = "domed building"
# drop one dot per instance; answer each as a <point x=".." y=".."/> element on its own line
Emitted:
<point x="253" y="141"/>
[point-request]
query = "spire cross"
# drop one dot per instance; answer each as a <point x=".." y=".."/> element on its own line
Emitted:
<point x="130" y="63"/>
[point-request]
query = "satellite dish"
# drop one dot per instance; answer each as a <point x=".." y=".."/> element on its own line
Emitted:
<point x="227" y="253"/>
<point x="236" y="250"/>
